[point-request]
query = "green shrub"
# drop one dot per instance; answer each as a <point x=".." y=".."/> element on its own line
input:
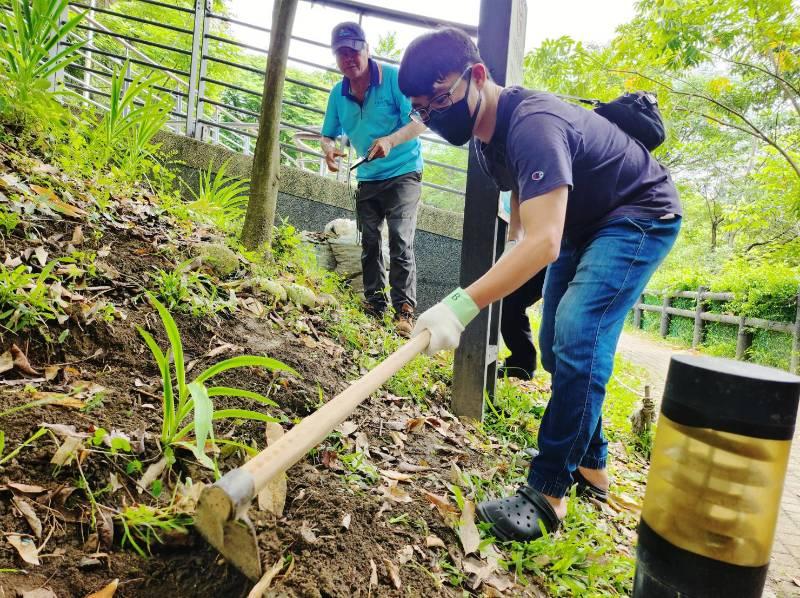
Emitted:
<point x="771" y="348"/>
<point x="720" y="339"/>
<point x="221" y="200"/>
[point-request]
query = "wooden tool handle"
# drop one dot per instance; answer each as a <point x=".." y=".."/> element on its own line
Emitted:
<point x="293" y="446"/>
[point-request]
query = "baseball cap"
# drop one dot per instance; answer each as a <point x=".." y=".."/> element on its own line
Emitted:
<point x="348" y="35"/>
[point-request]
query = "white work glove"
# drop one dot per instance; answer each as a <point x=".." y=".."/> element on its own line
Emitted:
<point x="509" y="246"/>
<point x="446" y="321"/>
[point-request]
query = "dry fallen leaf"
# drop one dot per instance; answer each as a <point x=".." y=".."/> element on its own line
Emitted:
<point x="330" y="459"/>
<point x="66" y="452"/>
<point x="467" y="530"/>
<point x="373" y="577"/>
<point x="398" y="438"/>
<point x="415" y="425"/>
<point x="65" y="430"/>
<point x="151" y="474"/>
<point x="77" y="235"/>
<point x="223" y="348"/>
<point x="447" y="510"/>
<point x="394" y="493"/>
<point x="501" y="583"/>
<point x="39" y="593"/>
<point x="434" y="542"/>
<point x="107" y="592"/>
<point x="272" y="498"/>
<point x="26" y="548"/>
<point x="480" y="571"/>
<point x="105" y="528"/>
<point x="623" y="502"/>
<point x="57" y="204"/>
<point x="405" y="554"/>
<point x="395" y="475"/>
<point x="264" y="583"/>
<point x="394" y="573"/>
<point x="411" y="468"/>
<point x="27" y="511"/>
<point x="346" y="521"/>
<point x="308" y="341"/>
<point x="362" y="444"/>
<point x="6" y="362"/>
<point x="59" y="399"/>
<point x="347" y="428"/>
<point x="41" y="255"/>
<point x="50" y="372"/>
<point x="21" y="361"/>
<point x="307" y="533"/>
<point x="24" y="488"/>
<point x="113" y="482"/>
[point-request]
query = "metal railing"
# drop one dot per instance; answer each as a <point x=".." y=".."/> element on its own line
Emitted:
<point x="197" y="66"/>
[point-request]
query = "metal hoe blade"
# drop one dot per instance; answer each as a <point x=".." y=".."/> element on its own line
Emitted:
<point x="233" y="536"/>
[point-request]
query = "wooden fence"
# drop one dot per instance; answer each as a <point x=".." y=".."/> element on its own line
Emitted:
<point x="745" y="324"/>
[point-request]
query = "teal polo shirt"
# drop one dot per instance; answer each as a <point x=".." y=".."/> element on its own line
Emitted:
<point x="383" y="111"/>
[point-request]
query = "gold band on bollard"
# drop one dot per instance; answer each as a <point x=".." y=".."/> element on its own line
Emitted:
<point x="715" y="493"/>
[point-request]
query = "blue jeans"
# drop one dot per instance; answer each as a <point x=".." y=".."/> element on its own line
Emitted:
<point x="588" y="291"/>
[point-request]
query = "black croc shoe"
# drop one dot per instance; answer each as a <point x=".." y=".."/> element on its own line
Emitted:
<point x="585" y="488"/>
<point x="517" y="517"/>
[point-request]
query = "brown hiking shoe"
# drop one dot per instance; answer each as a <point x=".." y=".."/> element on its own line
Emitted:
<point x="404" y="320"/>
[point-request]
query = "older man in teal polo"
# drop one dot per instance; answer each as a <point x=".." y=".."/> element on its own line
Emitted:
<point x="368" y="107"/>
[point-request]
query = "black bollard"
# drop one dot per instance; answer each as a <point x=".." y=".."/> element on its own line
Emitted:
<point x="716" y="476"/>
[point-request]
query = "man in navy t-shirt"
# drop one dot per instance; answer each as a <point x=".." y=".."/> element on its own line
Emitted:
<point x="589" y="203"/>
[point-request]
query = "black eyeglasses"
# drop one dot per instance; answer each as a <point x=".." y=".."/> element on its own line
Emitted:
<point x="438" y="104"/>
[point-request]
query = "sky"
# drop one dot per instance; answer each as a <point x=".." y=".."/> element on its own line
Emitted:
<point x="584" y="20"/>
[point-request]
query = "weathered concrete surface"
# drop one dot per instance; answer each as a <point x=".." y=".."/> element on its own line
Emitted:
<point x="309" y="202"/>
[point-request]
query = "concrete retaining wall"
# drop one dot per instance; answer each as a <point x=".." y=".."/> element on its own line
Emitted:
<point x="310" y="201"/>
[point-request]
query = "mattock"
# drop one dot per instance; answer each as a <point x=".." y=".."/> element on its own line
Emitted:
<point x="221" y="515"/>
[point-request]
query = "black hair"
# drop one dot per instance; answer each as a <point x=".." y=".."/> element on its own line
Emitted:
<point x="432" y="57"/>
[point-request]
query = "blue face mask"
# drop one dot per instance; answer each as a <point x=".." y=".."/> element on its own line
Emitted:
<point x="455" y="124"/>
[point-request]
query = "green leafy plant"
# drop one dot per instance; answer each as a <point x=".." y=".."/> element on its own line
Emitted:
<point x="25" y="298"/>
<point x="8" y="222"/>
<point x="135" y="114"/>
<point x="191" y="292"/>
<point x="286" y="240"/>
<point x="79" y="264"/>
<point x="221" y="199"/>
<point x="29" y="35"/>
<point x="143" y="524"/>
<point x="184" y="400"/>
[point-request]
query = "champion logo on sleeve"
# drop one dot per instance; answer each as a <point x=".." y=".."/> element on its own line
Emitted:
<point x="537" y="175"/>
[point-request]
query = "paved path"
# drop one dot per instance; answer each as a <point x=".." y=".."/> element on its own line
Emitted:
<point x="653" y="356"/>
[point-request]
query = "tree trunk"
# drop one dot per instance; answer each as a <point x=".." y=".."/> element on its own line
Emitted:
<point x="715" y="233"/>
<point x="260" y="217"/>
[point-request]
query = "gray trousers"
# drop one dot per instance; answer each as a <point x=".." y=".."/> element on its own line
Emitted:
<point x="395" y="200"/>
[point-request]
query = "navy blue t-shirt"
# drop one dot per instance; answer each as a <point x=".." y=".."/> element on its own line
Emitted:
<point x="551" y="143"/>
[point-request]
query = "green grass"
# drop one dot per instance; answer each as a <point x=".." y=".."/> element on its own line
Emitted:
<point x="583" y="560"/>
